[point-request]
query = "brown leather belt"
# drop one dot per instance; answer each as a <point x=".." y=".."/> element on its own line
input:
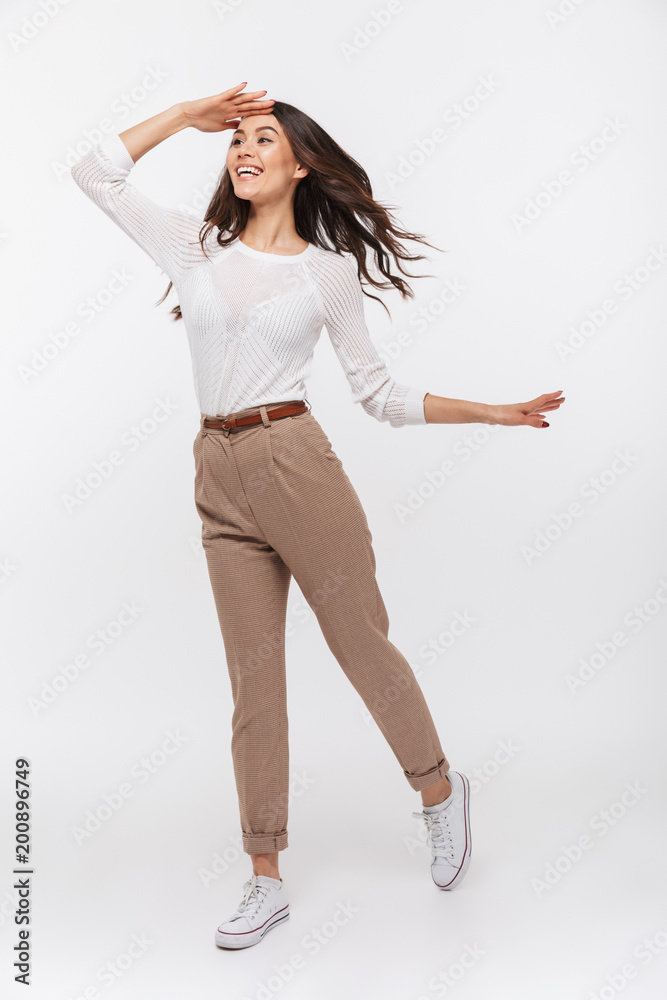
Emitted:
<point x="275" y="413"/>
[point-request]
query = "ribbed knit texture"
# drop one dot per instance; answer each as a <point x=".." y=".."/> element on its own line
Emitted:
<point x="252" y="318"/>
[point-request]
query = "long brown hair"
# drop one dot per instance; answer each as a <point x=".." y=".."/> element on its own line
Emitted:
<point x="334" y="207"/>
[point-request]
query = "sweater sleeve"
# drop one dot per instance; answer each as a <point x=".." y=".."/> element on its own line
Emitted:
<point x="169" y="237"/>
<point x="379" y="393"/>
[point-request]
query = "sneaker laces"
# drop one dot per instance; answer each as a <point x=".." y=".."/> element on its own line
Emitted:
<point x="439" y="833"/>
<point x="252" y="899"/>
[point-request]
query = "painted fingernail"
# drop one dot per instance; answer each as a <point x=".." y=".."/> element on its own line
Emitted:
<point x="544" y="423"/>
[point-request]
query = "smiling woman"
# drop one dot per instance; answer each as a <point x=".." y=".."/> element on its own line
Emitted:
<point x="281" y="252"/>
<point x="262" y="152"/>
<point x="288" y="184"/>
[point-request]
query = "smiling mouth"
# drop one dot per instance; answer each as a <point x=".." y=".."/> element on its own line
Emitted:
<point x="247" y="173"/>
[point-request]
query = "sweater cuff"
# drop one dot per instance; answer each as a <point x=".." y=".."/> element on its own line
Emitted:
<point x="414" y="405"/>
<point x="117" y="152"/>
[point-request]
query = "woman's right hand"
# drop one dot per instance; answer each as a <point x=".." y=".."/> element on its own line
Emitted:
<point x="225" y="110"/>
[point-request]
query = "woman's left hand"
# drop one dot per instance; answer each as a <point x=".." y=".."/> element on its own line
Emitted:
<point x="530" y="414"/>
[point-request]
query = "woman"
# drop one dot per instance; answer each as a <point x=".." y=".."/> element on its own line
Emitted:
<point x="280" y="254"/>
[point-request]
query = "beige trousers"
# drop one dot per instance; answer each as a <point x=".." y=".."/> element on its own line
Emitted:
<point x="275" y="502"/>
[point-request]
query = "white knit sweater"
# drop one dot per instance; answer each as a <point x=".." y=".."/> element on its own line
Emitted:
<point x="252" y="318"/>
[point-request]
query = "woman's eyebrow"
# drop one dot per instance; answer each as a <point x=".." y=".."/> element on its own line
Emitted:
<point x="265" y="128"/>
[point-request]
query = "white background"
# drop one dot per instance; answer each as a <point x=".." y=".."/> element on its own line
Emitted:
<point x="464" y="548"/>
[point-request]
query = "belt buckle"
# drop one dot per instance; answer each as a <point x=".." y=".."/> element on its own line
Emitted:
<point x="226" y="427"/>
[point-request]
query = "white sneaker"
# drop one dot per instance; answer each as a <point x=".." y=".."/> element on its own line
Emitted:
<point x="449" y="834"/>
<point x="264" y="905"/>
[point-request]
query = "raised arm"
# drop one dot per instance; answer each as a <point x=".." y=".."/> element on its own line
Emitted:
<point x="139" y="139"/>
<point x="208" y="114"/>
<point x="170" y="237"/>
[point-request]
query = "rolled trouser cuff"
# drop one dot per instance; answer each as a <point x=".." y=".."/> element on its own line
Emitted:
<point x="264" y="843"/>
<point x="419" y="781"/>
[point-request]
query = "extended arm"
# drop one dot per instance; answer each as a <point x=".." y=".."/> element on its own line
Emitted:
<point x="440" y="410"/>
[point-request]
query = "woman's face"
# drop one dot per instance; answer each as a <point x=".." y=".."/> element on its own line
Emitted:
<point x="260" y="150"/>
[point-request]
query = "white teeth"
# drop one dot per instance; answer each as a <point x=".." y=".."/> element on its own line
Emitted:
<point x="252" y="171"/>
